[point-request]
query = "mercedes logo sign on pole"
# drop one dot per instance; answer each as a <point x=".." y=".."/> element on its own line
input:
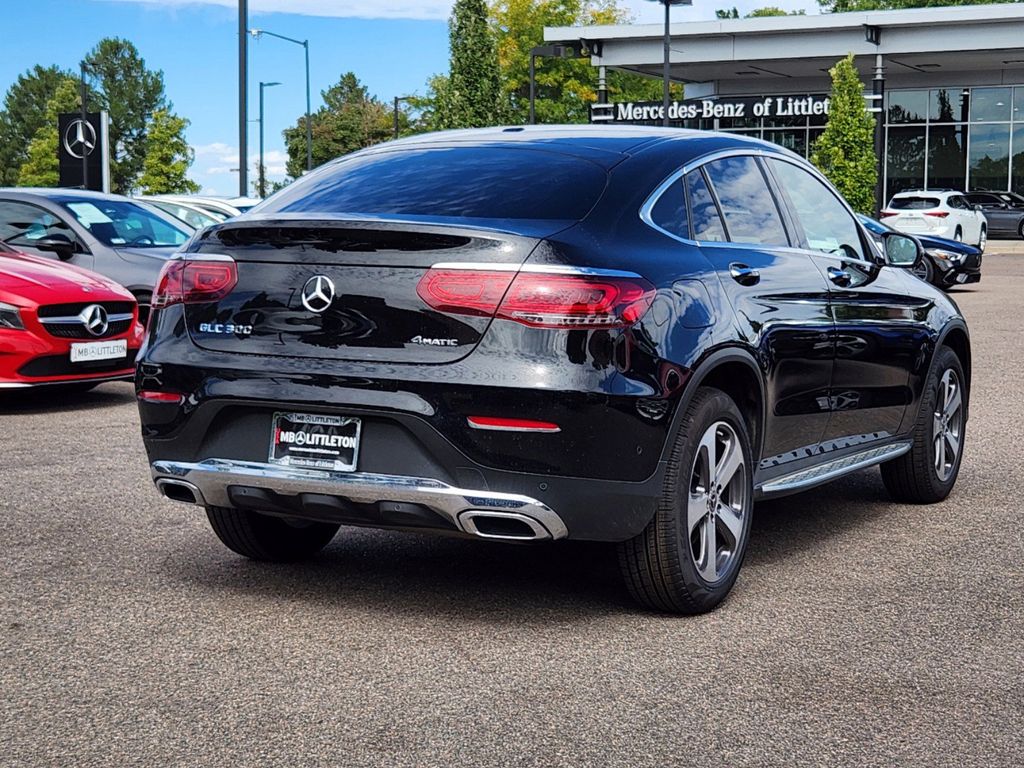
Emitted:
<point x="318" y="293"/>
<point x="94" y="318"/>
<point x="83" y="142"/>
<point x="80" y="139"/>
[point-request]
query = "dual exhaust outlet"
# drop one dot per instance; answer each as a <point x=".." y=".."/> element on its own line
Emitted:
<point x="483" y="524"/>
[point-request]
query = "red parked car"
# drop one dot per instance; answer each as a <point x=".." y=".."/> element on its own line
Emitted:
<point x="61" y="324"/>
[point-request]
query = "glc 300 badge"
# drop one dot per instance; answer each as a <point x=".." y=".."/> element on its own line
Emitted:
<point x="227" y="329"/>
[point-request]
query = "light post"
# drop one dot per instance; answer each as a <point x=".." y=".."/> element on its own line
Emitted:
<point x="262" y="169"/>
<point x="84" y="113"/>
<point x="666" y="68"/>
<point x="309" y="125"/>
<point x="243" y="97"/>
<point x="551" y="51"/>
<point x="399" y="100"/>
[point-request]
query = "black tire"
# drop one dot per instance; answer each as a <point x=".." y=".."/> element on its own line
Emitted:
<point x="983" y="239"/>
<point x="925" y="270"/>
<point x="1020" y="230"/>
<point x="262" y="537"/>
<point x="659" y="565"/>
<point x="914" y="476"/>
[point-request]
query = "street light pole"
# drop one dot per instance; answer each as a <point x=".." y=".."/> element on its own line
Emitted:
<point x="667" y="64"/>
<point x="262" y="169"/>
<point x="309" y="121"/>
<point x="84" y="114"/>
<point x="243" y="101"/>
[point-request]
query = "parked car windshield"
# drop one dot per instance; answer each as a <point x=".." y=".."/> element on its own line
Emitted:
<point x="120" y="223"/>
<point x="914" y="203"/>
<point x="461" y="182"/>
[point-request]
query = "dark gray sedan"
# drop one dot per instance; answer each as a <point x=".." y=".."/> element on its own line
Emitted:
<point x="109" y="234"/>
<point x="1004" y="211"/>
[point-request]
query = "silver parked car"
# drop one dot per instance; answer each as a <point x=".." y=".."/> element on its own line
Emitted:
<point x="108" y="234"/>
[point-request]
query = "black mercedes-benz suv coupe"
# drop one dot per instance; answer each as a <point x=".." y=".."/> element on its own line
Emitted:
<point x="529" y="334"/>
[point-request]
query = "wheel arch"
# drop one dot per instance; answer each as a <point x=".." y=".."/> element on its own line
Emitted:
<point x="956" y="337"/>
<point x="734" y="371"/>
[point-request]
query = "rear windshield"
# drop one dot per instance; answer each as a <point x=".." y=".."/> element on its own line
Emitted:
<point x="463" y="182"/>
<point x="914" y="203"/>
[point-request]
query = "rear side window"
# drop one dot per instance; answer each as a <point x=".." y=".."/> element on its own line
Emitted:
<point x="669" y="213"/>
<point x="707" y="224"/>
<point x="461" y="182"/>
<point x="913" y="203"/>
<point x="751" y="215"/>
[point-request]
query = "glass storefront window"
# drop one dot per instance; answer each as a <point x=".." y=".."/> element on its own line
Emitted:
<point x="990" y="104"/>
<point x="1018" y="103"/>
<point x="905" y="153"/>
<point x="990" y="156"/>
<point x="1017" y="167"/>
<point x="947" y="157"/>
<point x="948" y="105"/>
<point x="908" y="106"/>
<point x="792" y="140"/>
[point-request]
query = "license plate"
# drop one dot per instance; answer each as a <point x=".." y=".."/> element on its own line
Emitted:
<point x="315" y="441"/>
<point x="99" y="350"/>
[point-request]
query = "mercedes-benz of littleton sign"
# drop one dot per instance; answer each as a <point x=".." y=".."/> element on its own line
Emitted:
<point x="951" y="79"/>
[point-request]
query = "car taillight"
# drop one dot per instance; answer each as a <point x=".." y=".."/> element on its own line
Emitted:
<point x="884" y="214"/>
<point x="192" y="281"/>
<point x="539" y="299"/>
<point x="937" y="214"/>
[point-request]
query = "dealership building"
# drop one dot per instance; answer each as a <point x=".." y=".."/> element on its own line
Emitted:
<point x="952" y="80"/>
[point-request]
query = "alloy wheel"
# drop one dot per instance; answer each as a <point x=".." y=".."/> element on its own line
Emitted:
<point x="983" y="240"/>
<point x="947" y="427"/>
<point x="717" y="502"/>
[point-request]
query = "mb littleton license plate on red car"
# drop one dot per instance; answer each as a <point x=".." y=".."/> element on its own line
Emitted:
<point x="315" y="441"/>
<point x="99" y="350"/>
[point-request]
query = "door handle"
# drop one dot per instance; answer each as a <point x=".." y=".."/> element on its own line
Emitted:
<point x="840" y="277"/>
<point x="743" y="274"/>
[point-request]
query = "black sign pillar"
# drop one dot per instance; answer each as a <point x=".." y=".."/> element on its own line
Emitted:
<point x="82" y="151"/>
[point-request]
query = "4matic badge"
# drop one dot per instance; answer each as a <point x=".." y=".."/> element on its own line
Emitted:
<point x="434" y="342"/>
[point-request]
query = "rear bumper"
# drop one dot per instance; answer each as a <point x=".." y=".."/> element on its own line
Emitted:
<point x="358" y="498"/>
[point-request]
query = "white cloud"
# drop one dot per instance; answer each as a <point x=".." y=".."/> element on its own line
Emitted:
<point x="366" y="9"/>
<point x="216" y="167"/>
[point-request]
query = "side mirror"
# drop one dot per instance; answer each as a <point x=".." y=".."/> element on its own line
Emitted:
<point x="901" y="250"/>
<point x="977" y="208"/>
<point x="62" y="245"/>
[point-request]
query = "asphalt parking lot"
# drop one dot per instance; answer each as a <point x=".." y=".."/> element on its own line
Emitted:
<point x="860" y="633"/>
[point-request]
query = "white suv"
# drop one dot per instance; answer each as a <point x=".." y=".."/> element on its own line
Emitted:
<point x="937" y="213"/>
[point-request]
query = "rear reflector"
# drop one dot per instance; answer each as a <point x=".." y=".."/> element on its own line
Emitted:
<point x="539" y="299"/>
<point x="498" y="424"/>
<point x="152" y="396"/>
<point x="193" y="281"/>
<point x="937" y="214"/>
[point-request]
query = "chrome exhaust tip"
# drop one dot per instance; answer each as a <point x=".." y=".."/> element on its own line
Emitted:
<point x="504" y="526"/>
<point x="179" y="490"/>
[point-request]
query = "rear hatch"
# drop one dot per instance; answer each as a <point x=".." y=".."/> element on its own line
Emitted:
<point x="917" y="214"/>
<point x="359" y="279"/>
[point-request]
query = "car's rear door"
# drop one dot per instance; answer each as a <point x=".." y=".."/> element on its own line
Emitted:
<point x="879" y="328"/>
<point x="779" y="297"/>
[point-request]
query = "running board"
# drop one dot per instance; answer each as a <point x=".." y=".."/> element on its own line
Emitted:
<point x="830" y="470"/>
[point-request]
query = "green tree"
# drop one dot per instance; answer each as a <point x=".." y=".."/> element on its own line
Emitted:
<point x="565" y="87"/>
<point x="842" y="6"/>
<point x="769" y="10"/>
<point x="130" y="93"/>
<point x="727" y="13"/>
<point x="168" y="156"/>
<point x="40" y="168"/>
<point x="350" y="119"/>
<point x="845" y="151"/>
<point x="23" y="114"/>
<point x="472" y="96"/>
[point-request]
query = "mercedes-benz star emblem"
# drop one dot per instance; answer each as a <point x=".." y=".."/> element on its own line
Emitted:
<point x="94" y="318"/>
<point x="318" y="293"/>
<point x="80" y="139"/>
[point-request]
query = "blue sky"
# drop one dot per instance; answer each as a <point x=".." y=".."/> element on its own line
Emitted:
<point x="393" y="47"/>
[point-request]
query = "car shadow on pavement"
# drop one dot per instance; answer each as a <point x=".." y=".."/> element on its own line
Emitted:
<point x="411" y="573"/>
<point x="57" y="399"/>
